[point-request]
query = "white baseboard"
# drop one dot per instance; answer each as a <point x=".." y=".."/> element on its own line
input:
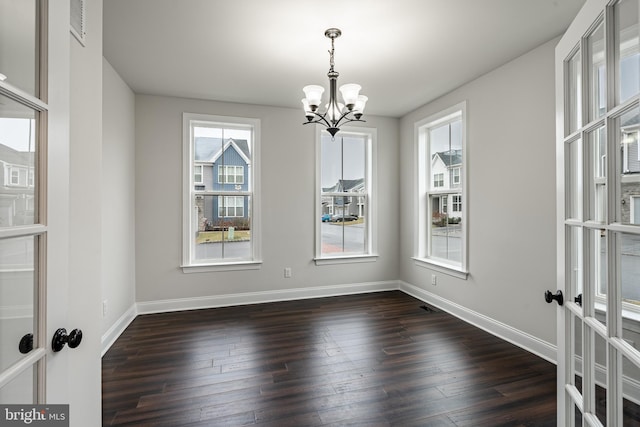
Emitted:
<point x="179" y="304"/>
<point x="109" y="337"/>
<point x="521" y="339"/>
<point x="501" y="330"/>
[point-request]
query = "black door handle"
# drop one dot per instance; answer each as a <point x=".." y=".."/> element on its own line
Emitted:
<point x="60" y="338"/>
<point x="26" y="344"/>
<point x="578" y="300"/>
<point x="549" y="297"/>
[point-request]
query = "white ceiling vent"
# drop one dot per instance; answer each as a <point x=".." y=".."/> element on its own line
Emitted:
<point x="78" y="20"/>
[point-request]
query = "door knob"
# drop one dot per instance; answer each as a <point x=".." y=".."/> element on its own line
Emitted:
<point x="26" y="344"/>
<point x="60" y="338"/>
<point x="549" y="297"/>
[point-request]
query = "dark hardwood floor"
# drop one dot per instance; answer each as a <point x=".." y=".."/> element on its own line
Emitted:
<point x="363" y="360"/>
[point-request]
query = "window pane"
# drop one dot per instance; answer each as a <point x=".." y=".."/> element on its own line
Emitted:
<point x="630" y="163"/>
<point x="224" y="228"/>
<point x="17" y="159"/>
<point x="344" y="227"/>
<point x="627" y="53"/>
<point x="446" y="227"/>
<point x="597" y="75"/>
<point x="18" y="44"/>
<point x="597" y="175"/>
<point x="344" y="232"/>
<point x="17" y="282"/>
<point x="574" y="103"/>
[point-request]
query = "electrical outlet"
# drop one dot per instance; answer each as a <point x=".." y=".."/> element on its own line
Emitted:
<point x="434" y="279"/>
<point x="287" y="272"/>
<point x="104" y="308"/>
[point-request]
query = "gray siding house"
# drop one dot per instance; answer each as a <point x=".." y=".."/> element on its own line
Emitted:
<point x="221" y="167"/>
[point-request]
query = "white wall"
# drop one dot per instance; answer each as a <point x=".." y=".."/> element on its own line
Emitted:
<point x="118" y="196"/>
<point x="288" y="195"/>
<point x="85" y="216"/>
<point x="511" y="194"/>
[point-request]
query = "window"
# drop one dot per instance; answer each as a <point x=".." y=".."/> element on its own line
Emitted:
<point x="15" y="176"/>
<point x="457" y="203"/>
<point x="438" y="180"/>
<point x="345" y="223"/>
<point x="197" y="174"/>
<point x="441" y="216"/>
<point x="230" y="206"/>
<point x="455" y="176"/>
<point x="220" y="214"/>
<point x="231" y="175"/>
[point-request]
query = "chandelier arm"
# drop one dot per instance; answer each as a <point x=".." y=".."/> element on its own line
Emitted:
<point x="344" y="119"/>
<point x="320" y="118"/>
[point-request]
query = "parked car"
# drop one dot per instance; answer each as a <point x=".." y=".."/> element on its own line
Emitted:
<point x="326" y="217"/>
<point x="345" y="217"/>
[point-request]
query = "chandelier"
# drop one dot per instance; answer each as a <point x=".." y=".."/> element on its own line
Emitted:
<point x="335" y="113"/>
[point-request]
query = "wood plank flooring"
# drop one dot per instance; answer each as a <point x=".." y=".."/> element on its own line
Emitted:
<point x="362" y="360"/>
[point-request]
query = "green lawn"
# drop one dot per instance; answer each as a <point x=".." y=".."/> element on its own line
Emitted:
<point x="216" y="236"/>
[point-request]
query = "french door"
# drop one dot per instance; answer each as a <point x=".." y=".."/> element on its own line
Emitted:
<point x="598" y="173"/>
<point x="34" y="171"/>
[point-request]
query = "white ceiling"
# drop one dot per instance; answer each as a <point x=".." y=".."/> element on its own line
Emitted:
<point x="404" y="53"/>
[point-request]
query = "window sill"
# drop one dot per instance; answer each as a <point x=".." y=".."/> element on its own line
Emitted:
<point x="630" y="318"/>
<point x="441" y="268"/>
<point x="346" y="259"/>
<point x="227" y="266"/>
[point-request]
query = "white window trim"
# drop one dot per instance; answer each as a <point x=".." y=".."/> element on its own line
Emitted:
<point x="422" y="178"/>
<point x="372" y="212"/>
<point x="187" y="265"/>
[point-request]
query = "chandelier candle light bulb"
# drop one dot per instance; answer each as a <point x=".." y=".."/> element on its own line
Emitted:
<point x="335" y="112"/>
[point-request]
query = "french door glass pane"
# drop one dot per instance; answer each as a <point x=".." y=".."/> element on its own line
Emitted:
<point x="598" y="261"/>
<point x="574" y="104"/>
<point x="600" y="383"/>
<point x="597" y="175"/>
<point x="17" y="155"/>
<point x="630" y="406"/>
<point x="597" y="74"/>
<point x="574" y="180"/>
<point x="343" y="232"/>
<point x="627" y="52"/>
<point x="629" y="268"/>
<point x="19" y="45"/>
<point x="20" y="390"/>
<point x="17" y="296"/>
<point x="627" y="126"/>
<point x="574" y="275"/>
<point x="576" y="352"/>
<point x="224" y="227"/>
